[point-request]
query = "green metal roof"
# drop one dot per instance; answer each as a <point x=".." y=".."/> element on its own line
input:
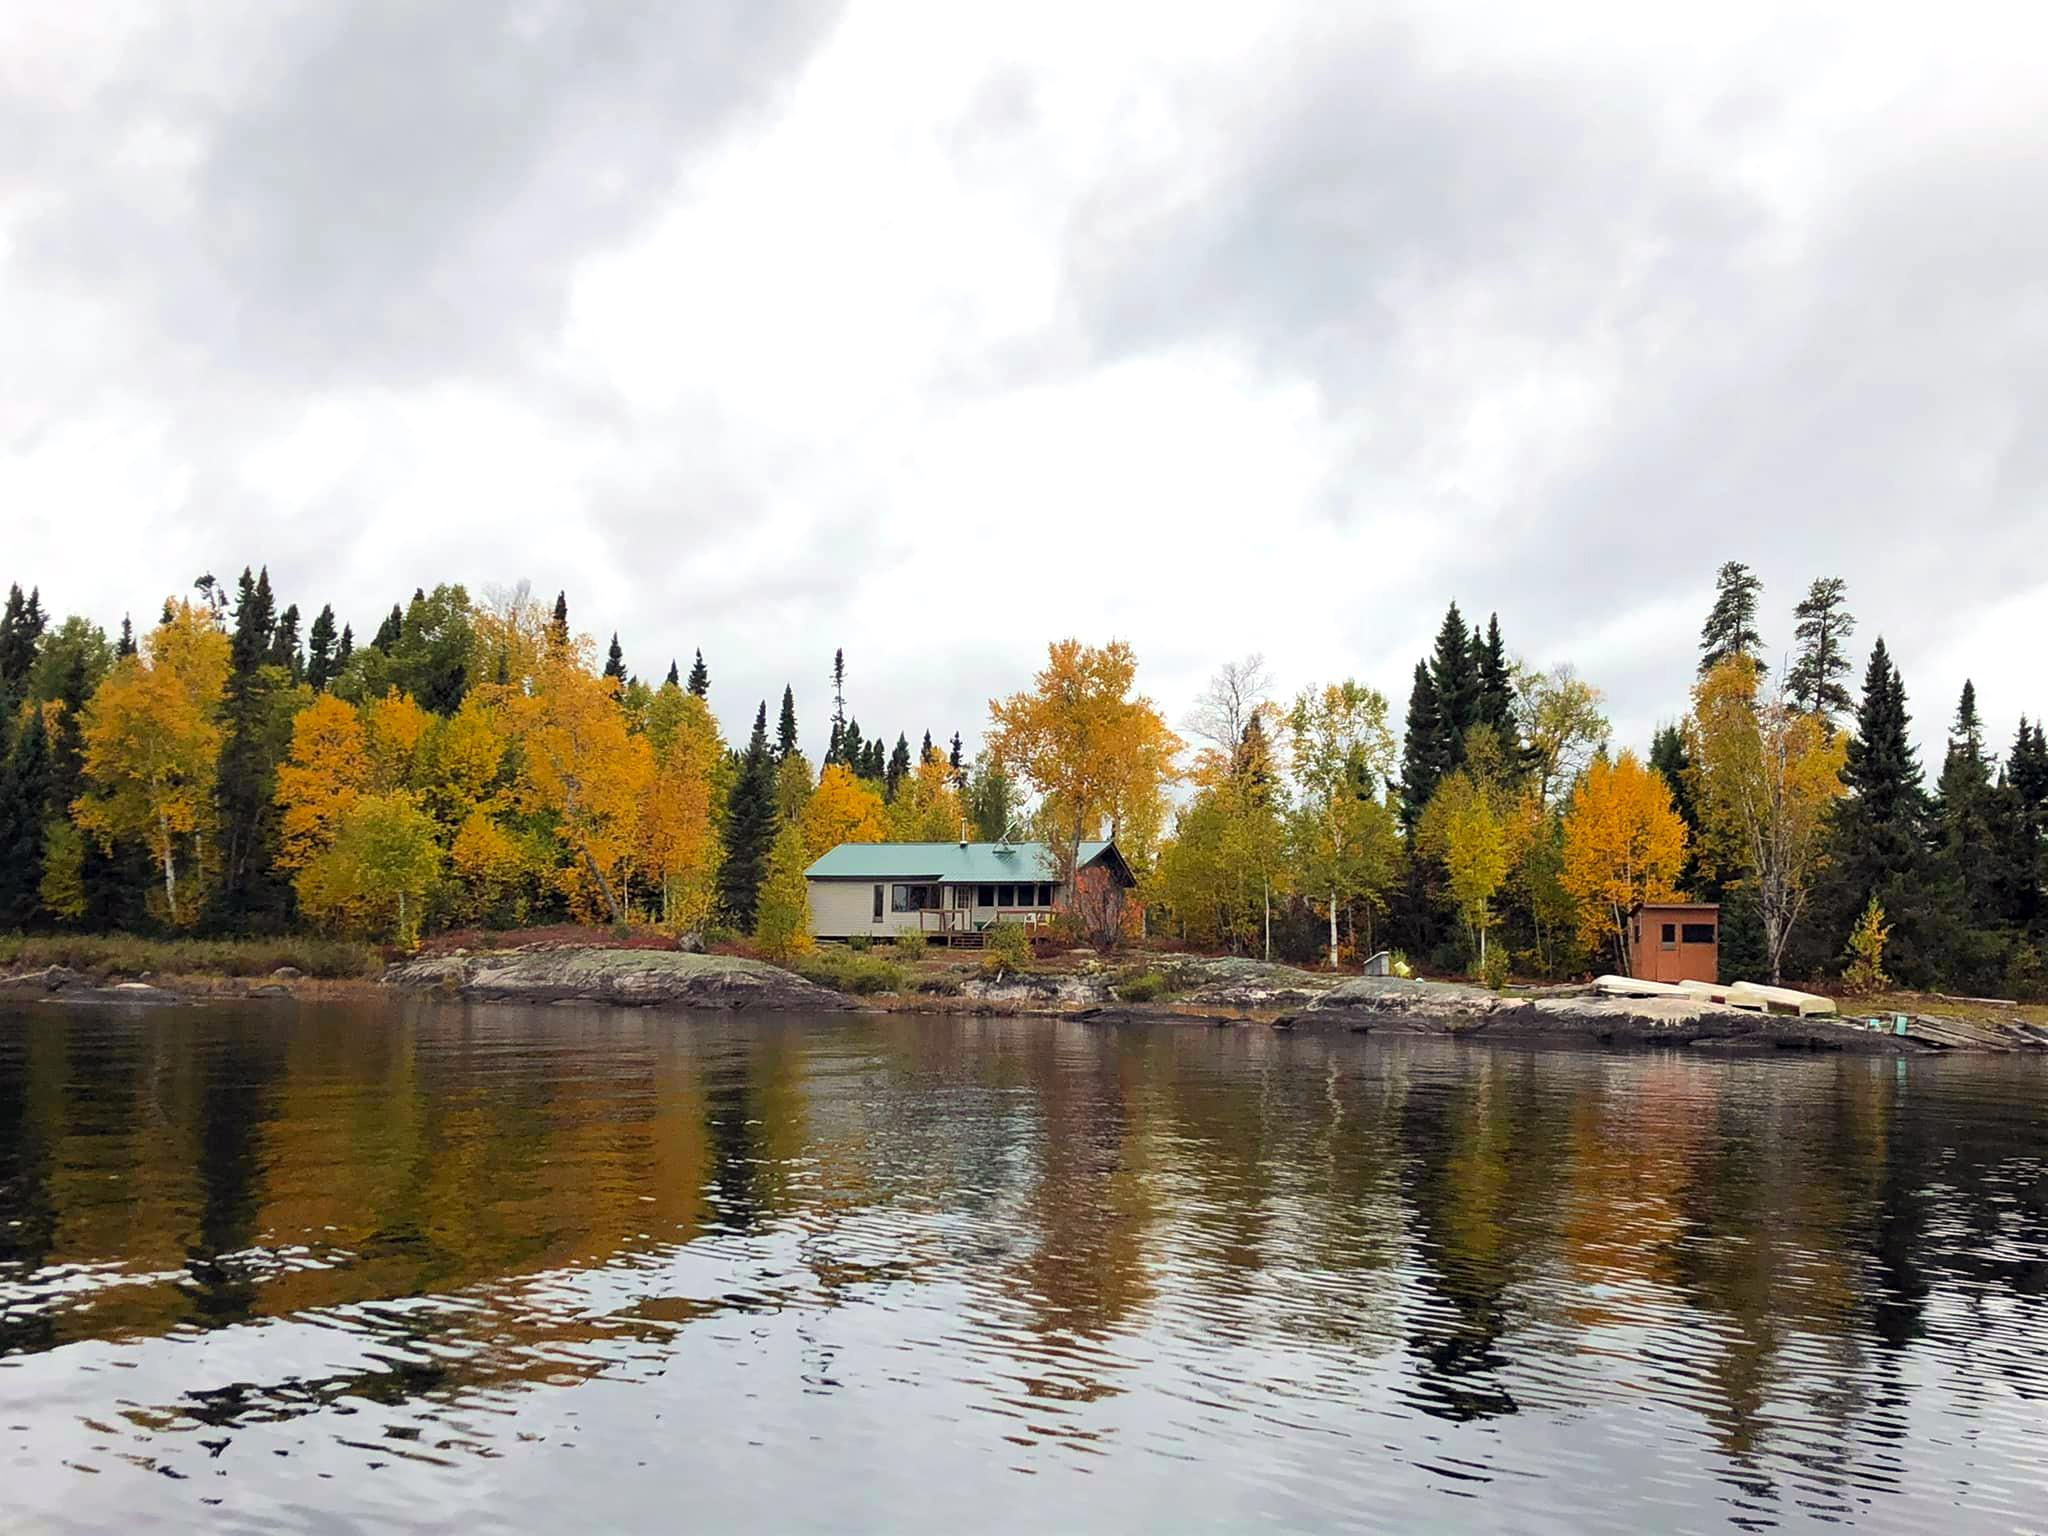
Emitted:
<point x="981" y="863"/>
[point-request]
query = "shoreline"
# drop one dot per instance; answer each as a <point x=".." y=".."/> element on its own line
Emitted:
<point x="1209" y="993"/>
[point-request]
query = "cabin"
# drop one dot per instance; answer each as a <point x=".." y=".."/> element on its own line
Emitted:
<point x="1674" y="941"/>
<point x="950" y="891"/>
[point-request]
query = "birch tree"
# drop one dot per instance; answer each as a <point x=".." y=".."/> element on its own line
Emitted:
<point x="1343" y="749"/>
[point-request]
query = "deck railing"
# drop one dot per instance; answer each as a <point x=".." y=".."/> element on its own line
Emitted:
<point x="950" y="920"/>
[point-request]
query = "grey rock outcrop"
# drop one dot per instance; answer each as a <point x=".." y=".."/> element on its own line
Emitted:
<point x="633" y="977"/>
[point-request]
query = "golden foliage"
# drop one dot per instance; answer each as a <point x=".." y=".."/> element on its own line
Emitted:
<point x="152" y="743"/>
<point x="1623" y="844"/>
<point x="323" y="772"/>
<point x="1865" y="971"/>
<point x="487" y="862"/>
<point x="842" y="809"/>
<point x="376" y="875"/>
<point x="782" y="918"/>
<point x="927" y="807"/>
<point x="678" y="841"/>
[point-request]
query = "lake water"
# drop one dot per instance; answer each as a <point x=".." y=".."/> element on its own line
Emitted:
<point x="430" y="1268"/>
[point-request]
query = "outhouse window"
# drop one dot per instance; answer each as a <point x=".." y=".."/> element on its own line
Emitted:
<point x="1697" y="933"/>
<point x="1670" y="936"/>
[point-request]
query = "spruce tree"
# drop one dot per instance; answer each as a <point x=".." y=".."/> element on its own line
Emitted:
<point x="700" y="677"/>
<point x="785" y="725"/>
<point x="675" y="677"/>
<point x="898" y="769"/>
<point x="750" y="826"/>
<point x="615" y="662"/>
<point x="2024" y="830"/>
<point x="1822" y="626"/>
<point x="1877" y="836"/>
<point x="1454" y="674"/>
<point x="852" y="751"/>
<point x="284" y="645"/>
<point x="386" y="638"/>
<point x="24" y="789"/>
<point x="126" y="647"/>
<point x="1964" y="817"/>
<point x="1496" y="683"/>
<point x="252" y="893"/>
<point x="1731" y="629"/>
<point x="344" y="648"/>
<point x="874" y="766"/>
<point x="320" y="650"/>
<point x="1422" y="758"/>
<point x="21" y="633"/>
<point x="953" y="758"/>
<point x="835" y="746"/>
<point x="558" y="625"/>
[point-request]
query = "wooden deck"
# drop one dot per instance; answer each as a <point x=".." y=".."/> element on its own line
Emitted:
<point x="967" y="928"/>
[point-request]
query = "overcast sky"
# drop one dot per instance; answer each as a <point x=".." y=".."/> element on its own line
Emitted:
<point x="935" y="331"/>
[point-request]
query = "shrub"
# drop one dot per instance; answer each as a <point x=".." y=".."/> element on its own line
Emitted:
<point x="859" y="943"/>
<point x="1493" y="970"/>
<point x="100" y="956"/>
<point x="1865" y="971"/>
<point x="1141" y="989"/>
<point x="861" y="975"/>
<point x="1009" y="945"/>
<point x="940" y="986"/>
<point x="1397" y="965"/>
<point x="910" y="948"/>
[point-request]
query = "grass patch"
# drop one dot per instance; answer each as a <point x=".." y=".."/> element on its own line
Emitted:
<point x="1148" y="988"/>
<point x="99" y="956"/>
<point x="844" y="971"/>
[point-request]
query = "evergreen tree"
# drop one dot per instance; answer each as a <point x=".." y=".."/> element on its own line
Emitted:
<point x="835" y="747"/>
<point x="852" y="751"/>
<point x="953" y="758"/>
<point x="344" y="649"/>
<point x="1422" y="755"/>
<point x="785" y="727"/>
<point x="386" y="638"/>
<point x="874" y="765"/>
<point x="1964" y="820"/>
<point x="21" y="633"/>
<point x="1669" y="757"/>
<point x="1878" y="832"/>
<point x="615" y="662"/>
<point x="24" y="790"/>
<point x="700" y="677"/>
<point x="675" y="677"/>
<point x="1822" y="625"/>
<point x="750" y="827"/>
<point x="1496" y="682"/>
<point x="1454" y="674"/>
<point x="558" y="625"/>
<point x="2023" y="826"/>
<point x="898" y="769"/>
<point x="252" y="895"/>
<point x="284" y="645"/>
<point x="320" y="663"/>
<point x="126" y="648"/>
<point x="925" y="751"/>
<point x="1731" y="629"/>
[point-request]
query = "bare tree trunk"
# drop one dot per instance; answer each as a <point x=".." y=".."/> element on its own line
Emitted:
<point x="1333" y="927"/>
<point x="163" y="824"/>
<point x="1267" y="884"/>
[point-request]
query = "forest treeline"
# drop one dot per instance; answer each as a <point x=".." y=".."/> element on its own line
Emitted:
<point x="234" y="770"/>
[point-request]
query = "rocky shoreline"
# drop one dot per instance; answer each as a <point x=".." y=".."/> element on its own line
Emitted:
<point x="1197" y="990"/>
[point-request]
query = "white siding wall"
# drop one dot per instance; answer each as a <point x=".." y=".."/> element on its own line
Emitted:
<point x="841" y="908"/>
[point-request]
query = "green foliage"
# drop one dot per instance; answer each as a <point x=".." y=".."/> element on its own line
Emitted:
<point x="1010" y="946"/>
<point x="750" y="826"/>
<point x="910" y="947"/>
<point x="1492" y="970"/>
<point x="782" y="923"/>
<point x="860" y="943"/>
<point x="1146" y="988"/>
<point x="103" y="955"/>
<point x="1865" y="970"/>
<point x="1730" y="629"/>
<point x="859" y="975"/>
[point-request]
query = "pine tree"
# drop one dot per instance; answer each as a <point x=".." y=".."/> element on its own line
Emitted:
<point x="615" y="662"/>
<point x="320" y="650"/>
<point x="21" y="633"/>
<point x="785" y="727"/>
<point x="851" y="750"/>
<point x="898" y="769"/>
<point x="1731" y="629"/>
<point x="1822" y="625"/>
<point x="126" y="647"/>
<point x="875" y="767"/>
<point x="954" y="759"/>
<point x="386" y="638"/>
<point x="344" y="649"/>
<point x="284" y="645"/>
<point x="835" y="748"/>
<point x="1963" y="819"/>
<point x="558" y="625"/>
<point x="252" y="894"/>
<point x="750" y="827"/>
<point x="2023" y="828"/>
<point x="1670" y="759"/>
<point x="1422" y="762"/>
<point x="675" y="677"/>
<point x="700" y="677"/>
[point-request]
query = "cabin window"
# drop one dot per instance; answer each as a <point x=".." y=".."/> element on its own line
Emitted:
<point x="1045" y="895"/>
<point x="988" y="896"/>
<point x="1006" y="896"/>
<point x="878" y="903"/>
<point x="909" y="898"/>
<point x="1670" y="936"/>
<point x="1697" y="933"/>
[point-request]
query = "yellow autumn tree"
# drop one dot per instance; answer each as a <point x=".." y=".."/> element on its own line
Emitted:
<point x="1099" y="754"/>
<point x="1763" y="774"/>
<point x="1624" y="844"/>
<point x="488" y="864"/>
<point x="782" y="918"/>
<point x="927" y="807"/>
<point x="678" y="840"/>
<point x="394" y="729"/>
<point x="459" y="765"/>
<point x="323" y="772"/>
<point x="151" y="752"/>
<point x="579" y="762"/>
<point x="842" y="809"/>
<point x="377" y="874"/>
